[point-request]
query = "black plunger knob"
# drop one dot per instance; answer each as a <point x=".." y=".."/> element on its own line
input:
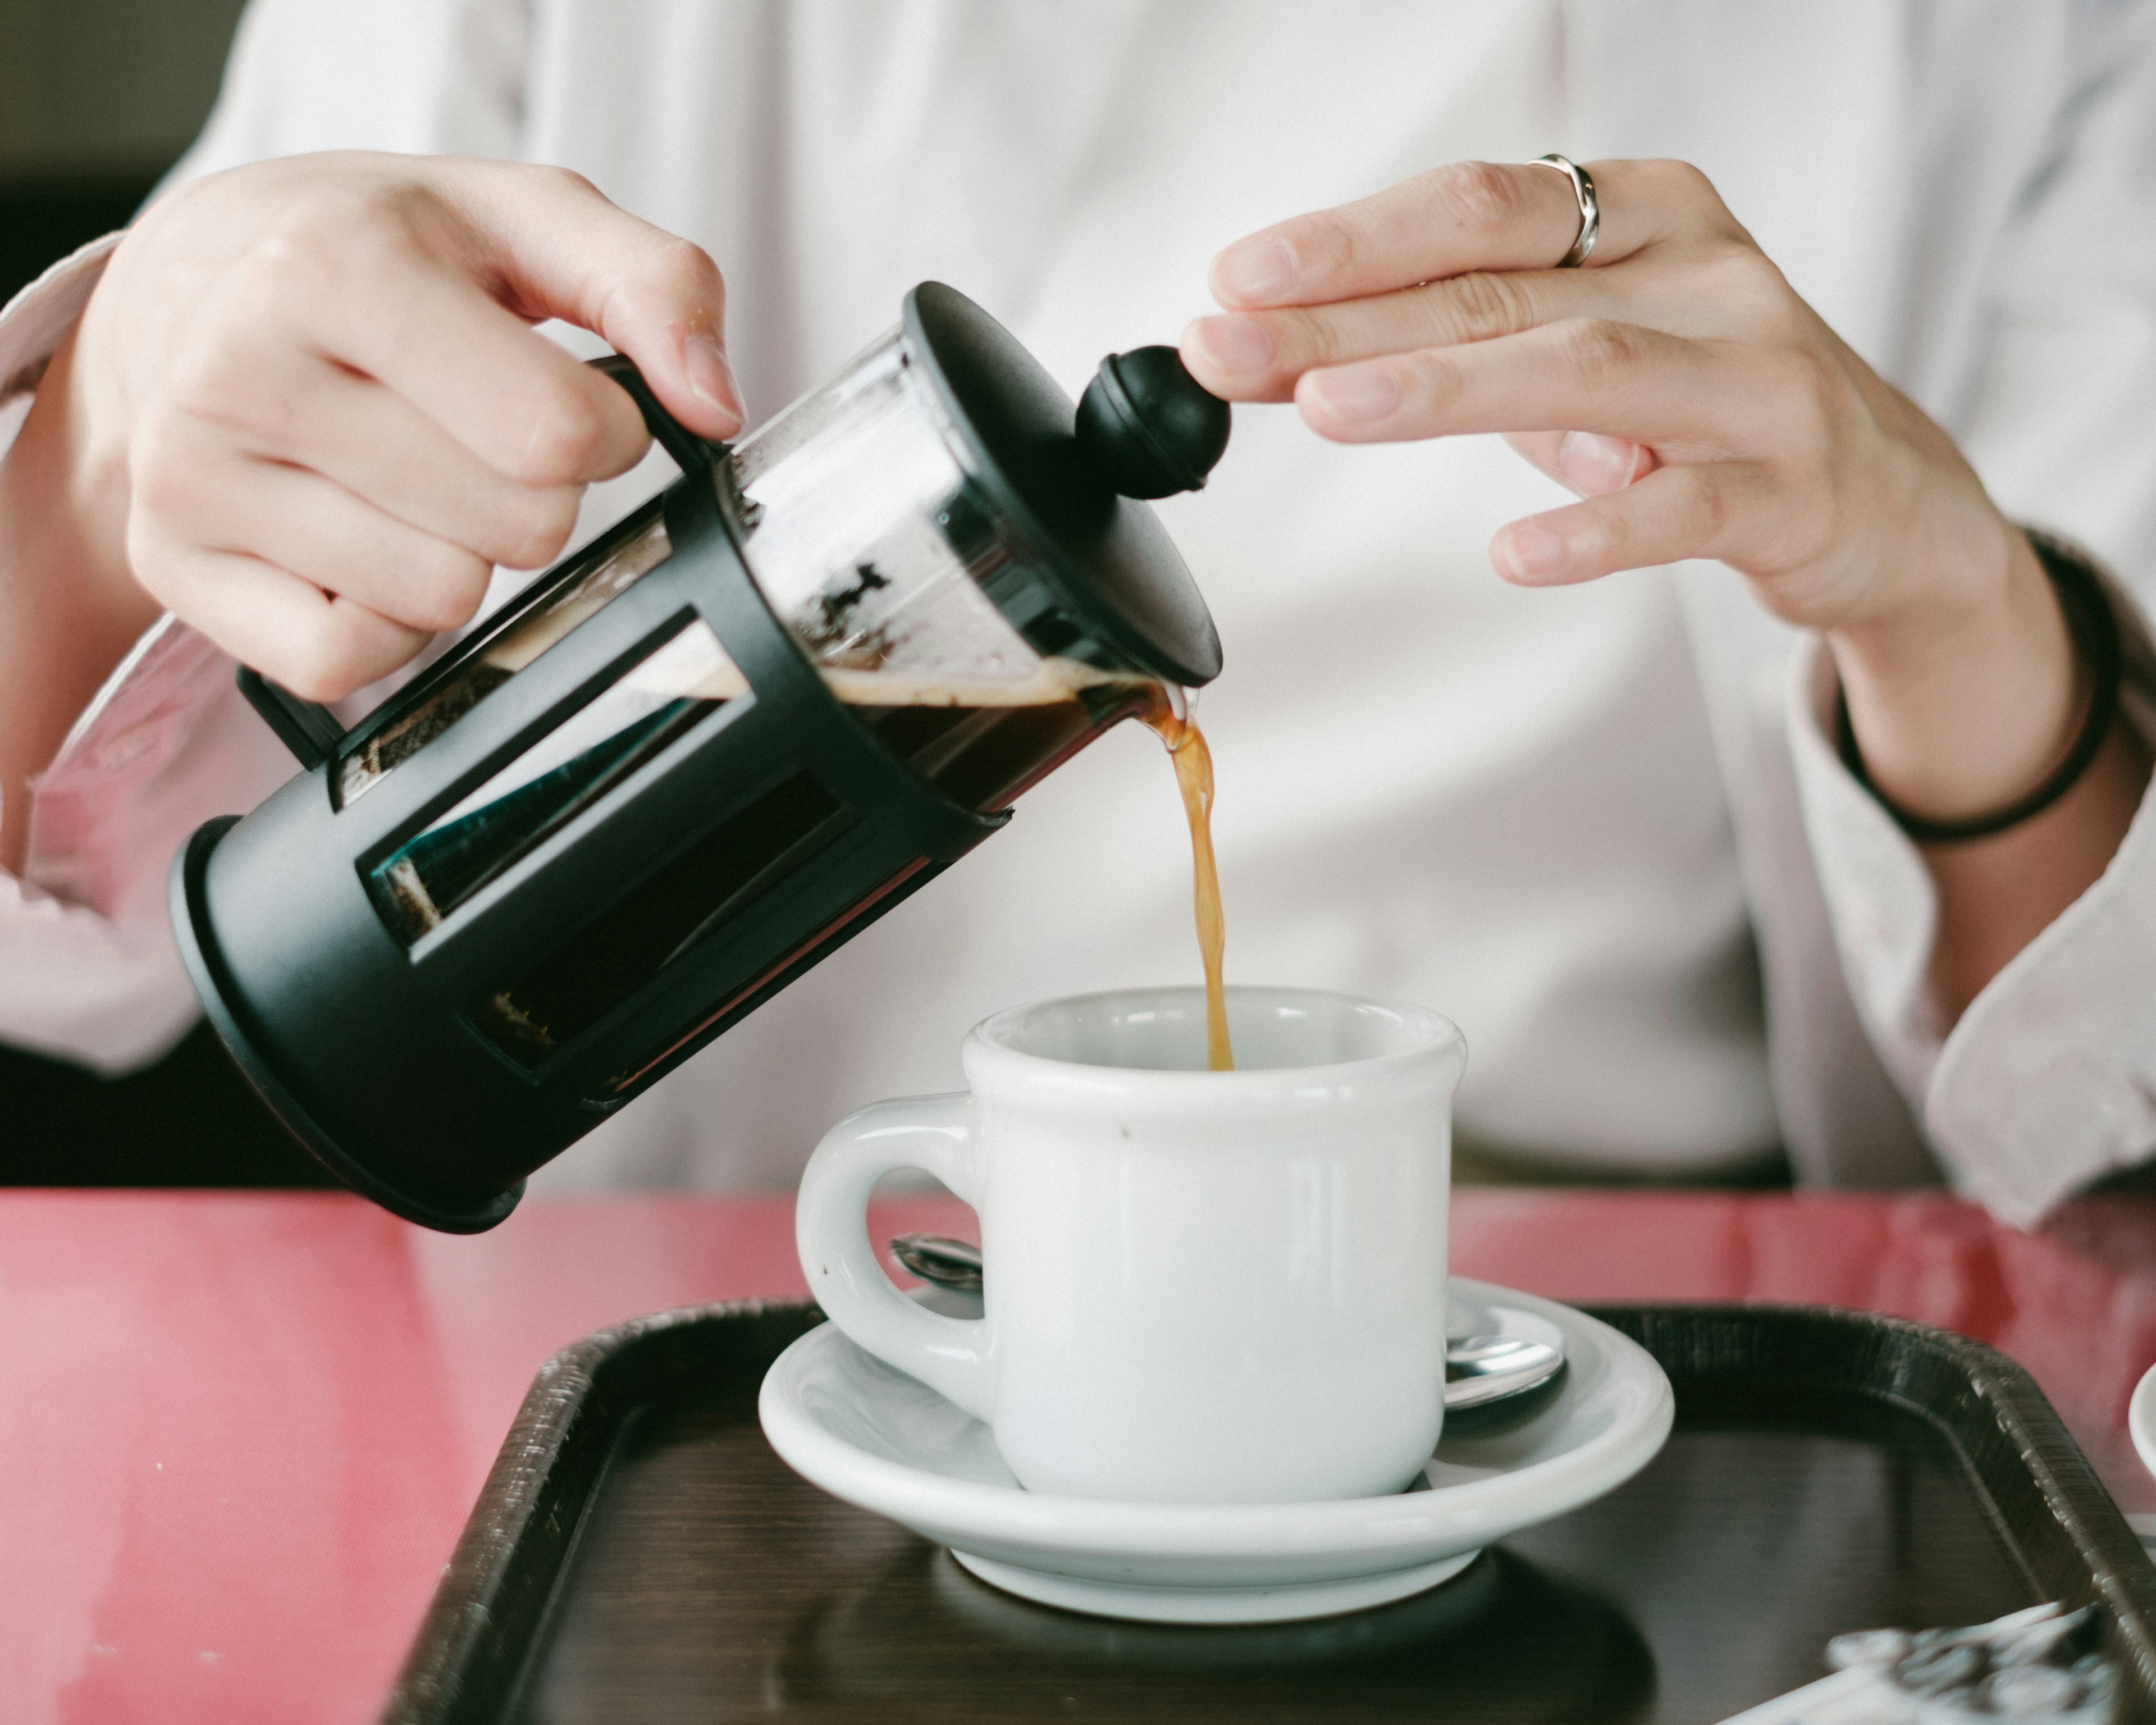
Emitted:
<point x="1147" y="426"/>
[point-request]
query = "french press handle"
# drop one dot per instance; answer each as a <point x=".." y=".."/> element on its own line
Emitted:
<point x="310" y="730"/>
<point x="690" y="452"/>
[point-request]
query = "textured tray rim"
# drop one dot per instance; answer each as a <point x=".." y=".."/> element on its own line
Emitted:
<point x="2025" y="1438"/>
<point x="486" y="1619"/>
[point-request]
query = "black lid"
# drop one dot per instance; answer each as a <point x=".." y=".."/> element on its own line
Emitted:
<point x="1148" y="426"/>
<point x="1108" y="558"/>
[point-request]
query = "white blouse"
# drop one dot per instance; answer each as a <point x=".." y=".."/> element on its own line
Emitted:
<point x="1579" y="821"/>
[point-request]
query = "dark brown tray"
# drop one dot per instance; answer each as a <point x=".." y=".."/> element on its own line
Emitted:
<point x="640" y="1554"/>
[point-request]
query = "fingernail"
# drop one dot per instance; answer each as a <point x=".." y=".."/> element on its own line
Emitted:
<point x="1531" y="551"/>
<point x="1593" y="464"/>
<point x="1234" y="344"/>
<point x="1258" y="270"/>
<point x="1355" y="394"/>
<point x="712" y="378"/>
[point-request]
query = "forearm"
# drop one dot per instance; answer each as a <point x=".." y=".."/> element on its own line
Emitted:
<point x="1964" y="705"/>
<point x="68" y="610"/>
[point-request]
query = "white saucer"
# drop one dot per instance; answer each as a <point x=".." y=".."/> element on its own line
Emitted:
<point x="876" y="1438"/>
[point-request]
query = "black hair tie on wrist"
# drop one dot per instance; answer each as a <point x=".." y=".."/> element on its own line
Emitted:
<point x="2093" y="628"/>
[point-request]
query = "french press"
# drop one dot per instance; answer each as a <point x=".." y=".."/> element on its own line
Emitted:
<point x="697" y="756"/>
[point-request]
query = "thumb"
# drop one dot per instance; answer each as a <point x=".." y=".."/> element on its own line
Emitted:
<point x="560" y="248"/>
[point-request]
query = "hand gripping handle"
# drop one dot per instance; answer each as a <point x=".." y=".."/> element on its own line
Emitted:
<point x="953" y="1356"/>
<point x="310" y="730"/>
<point x="690" y="453"/>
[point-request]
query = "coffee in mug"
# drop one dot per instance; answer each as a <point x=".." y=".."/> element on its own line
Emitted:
<point x="1201" y="1286"/>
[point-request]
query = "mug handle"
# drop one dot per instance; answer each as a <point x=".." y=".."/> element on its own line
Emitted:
<point x="953" y="1356"/>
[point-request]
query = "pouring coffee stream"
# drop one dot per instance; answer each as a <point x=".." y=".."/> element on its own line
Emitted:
<point x="1193" y="757"/>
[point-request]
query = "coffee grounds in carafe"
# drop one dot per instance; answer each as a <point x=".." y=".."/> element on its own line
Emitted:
<point x="981" y="741"/>
<point x="1194" y="777"/>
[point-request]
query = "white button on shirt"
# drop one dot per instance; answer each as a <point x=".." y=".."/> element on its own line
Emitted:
<point x="1562" y="816"/>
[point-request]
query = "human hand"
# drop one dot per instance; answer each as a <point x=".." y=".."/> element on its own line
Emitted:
<point x="1677" y="384"/>
<point x="1700" y="408"/>
<point x="307" y="412"/>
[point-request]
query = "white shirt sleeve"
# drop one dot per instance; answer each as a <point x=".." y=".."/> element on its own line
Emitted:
<point x="2048" y="1081"/>
<point x="88" y="969"/>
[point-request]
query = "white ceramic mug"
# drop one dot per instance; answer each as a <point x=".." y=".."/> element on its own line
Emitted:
<point x="1202" y="1287"/>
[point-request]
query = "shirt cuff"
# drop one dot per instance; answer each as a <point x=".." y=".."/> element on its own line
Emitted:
<point x="89" y="971"/>
<point x="33" y="322"/>
<point x="2048" y="1081"/>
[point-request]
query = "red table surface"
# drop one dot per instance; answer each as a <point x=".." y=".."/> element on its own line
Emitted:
<point x="240" y="1433"/>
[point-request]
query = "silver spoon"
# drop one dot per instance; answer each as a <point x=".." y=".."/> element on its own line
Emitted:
<point x="948" y="1263"/>
<point x="1482" y="1369"/>
<point x="1478" y="1369"/>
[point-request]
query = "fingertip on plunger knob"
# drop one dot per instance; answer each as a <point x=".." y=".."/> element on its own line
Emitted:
<point x="1147" y="426"/>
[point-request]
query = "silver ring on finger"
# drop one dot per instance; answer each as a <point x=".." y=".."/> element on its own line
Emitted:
<point x="1590" y="208"/>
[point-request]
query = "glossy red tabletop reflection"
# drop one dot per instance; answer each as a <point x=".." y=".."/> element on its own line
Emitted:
<point x="238" y="1434"/>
